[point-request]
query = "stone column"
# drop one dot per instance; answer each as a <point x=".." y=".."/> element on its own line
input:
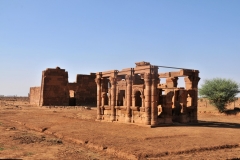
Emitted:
<point x="168" y="107"/>
<point x="188" y="82"/>
<point x="116" y="99"/>
<point x="98" y="81"/>
<point x="172" y="82"/>
<point x="147" y="94"/>
<point x="113" y="82"/>
<point x="133" y="100"/>
<point x="129" y="99"/>
<point x="143" y="101"/>
<point x="191" y="83"/>
<point x="154" y="110"/>
<point x="183" y="100"/>
<point x="103" y="99"/>
<point x="109" y="97"/>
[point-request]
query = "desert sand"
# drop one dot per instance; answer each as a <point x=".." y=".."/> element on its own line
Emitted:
<point x="33" y="132"/>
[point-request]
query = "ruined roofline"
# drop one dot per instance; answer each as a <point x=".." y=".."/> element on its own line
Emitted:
<point x="174" y="67"/>
<point x="140" y="67"/>
<point x="146" y="67"/>
<point x="91" y="74"/>
<point x="142" y="63"/>
<point x="108" y="73"/>
<point x="55" y="68"/>
<point x="181" y="73"/>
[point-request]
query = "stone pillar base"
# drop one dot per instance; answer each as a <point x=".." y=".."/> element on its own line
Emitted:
<point x="128" y="119"/>
<point x="99" y="117"/>
<point x="147" y="121"/>
<point x="153" y="123"/>
<point x="112" y="118"/>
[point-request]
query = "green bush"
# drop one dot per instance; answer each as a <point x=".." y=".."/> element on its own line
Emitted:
<point x="219" y="92"/>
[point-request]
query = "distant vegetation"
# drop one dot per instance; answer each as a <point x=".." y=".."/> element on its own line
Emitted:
<point x="9" y="96"/>
<point x="219" y="92"/>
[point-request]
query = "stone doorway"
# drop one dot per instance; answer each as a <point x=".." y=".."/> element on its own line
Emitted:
<point x="72" y="98"/>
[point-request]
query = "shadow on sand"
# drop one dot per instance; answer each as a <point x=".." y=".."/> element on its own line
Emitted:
<point x="234" y="111"/>
<point x="212" y="124"/>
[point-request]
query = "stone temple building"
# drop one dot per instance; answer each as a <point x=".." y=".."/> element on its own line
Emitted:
<point x="135" y="95"/>
<point x="55" y="90"/>
<point x="132" y="95"/>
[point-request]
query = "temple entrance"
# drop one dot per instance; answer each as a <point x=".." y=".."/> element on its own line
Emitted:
<point x="138" y="99"/>
<point x="72" y="98"/>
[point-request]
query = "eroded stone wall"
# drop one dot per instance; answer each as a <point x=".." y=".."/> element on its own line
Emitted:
<point x="204" y="103"/>
<point x="54" y="89"/>
<point x="34" y="95"/>
<point x="86" y="92"/>
<point x="135" y="95"/>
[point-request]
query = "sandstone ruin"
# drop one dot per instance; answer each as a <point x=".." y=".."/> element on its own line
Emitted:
<point x="132" y="95"/>
<point x="135" y="95"/>
<point x="55" y="90"/>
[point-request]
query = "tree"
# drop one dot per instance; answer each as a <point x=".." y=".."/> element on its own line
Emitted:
<point x="219" y="92"/>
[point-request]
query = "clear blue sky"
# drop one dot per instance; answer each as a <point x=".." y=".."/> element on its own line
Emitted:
<point x="99" y="35"/>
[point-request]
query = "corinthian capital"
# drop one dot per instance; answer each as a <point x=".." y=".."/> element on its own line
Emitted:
<point x="98" y="81"/>
<point x="128" y="79"/>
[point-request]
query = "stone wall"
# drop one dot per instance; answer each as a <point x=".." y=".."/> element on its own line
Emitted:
<point x="54" y="89"/>
<point x="34" y="95"/>
<point x="204" y="103"/>
<point x="86" y="92"/>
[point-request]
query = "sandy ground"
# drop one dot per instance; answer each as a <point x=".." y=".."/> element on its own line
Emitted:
<point x="31" y="132"/>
